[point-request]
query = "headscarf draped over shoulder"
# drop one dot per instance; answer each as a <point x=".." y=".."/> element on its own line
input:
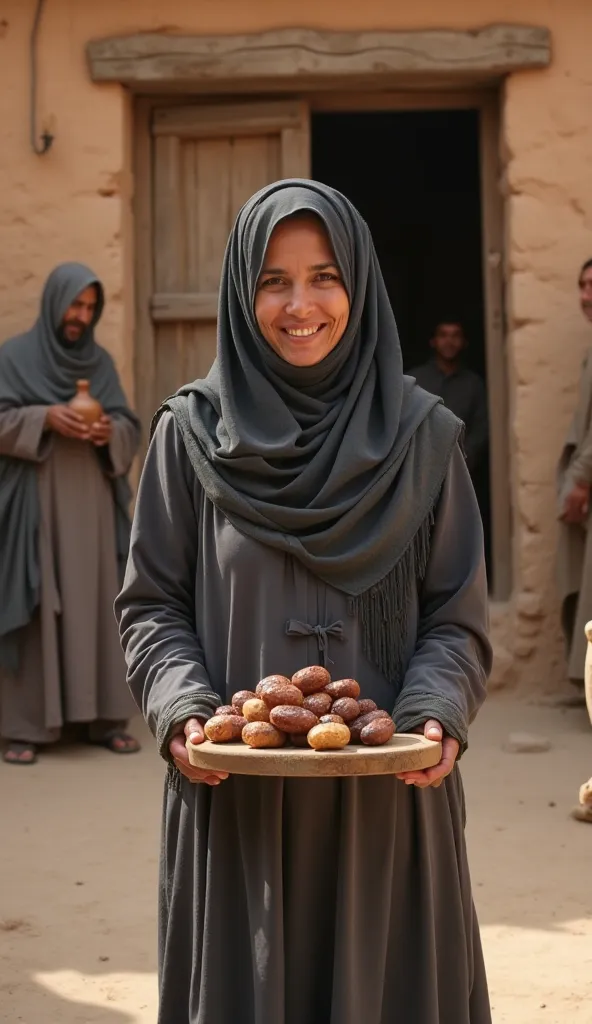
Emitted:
<point x="37" y="368"/>
<point x="338" y="464"/>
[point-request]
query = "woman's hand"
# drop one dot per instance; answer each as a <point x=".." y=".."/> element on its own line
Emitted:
<point x="192" y="730"/>
<point x="432" y="730"/>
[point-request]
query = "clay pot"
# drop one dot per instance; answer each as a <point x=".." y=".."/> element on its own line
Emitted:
<point x="84" y="404"/>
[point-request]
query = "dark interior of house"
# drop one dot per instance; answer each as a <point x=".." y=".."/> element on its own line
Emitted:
<point x="415" y="178"/>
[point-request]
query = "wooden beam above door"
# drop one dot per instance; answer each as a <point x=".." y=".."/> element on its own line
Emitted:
<point x="161" y="59"/>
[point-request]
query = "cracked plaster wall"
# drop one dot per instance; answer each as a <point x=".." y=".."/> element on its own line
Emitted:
<point x="75" y="203"/>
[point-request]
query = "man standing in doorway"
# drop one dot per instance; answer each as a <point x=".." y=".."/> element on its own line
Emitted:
<point x="64" y="527"/>
<point x="575" y="537"/>
<point x="461" y="390"/>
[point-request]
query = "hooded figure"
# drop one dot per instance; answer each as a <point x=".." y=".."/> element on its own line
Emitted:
<point x="306" y="503"/>
<point x="64" y="527"/>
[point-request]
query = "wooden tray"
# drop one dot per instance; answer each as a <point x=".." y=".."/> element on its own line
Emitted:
<point x="403" y="753"/>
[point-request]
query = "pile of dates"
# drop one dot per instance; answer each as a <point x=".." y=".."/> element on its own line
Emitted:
<point x="306" y="710"/>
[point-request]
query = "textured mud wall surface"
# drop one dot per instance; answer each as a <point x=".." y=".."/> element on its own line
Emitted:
<point x="548" y="148"/>
<point x="75" y="203"/>
<point x="71" y="203"/>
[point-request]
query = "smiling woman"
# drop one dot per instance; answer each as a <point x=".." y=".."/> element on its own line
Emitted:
<point x="301" y="305"/>
<point x="306" y="481"/>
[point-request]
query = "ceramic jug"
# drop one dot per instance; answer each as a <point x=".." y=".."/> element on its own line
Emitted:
<point x="84" y="404"/>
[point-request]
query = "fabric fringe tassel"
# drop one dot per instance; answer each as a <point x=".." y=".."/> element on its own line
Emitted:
<point x="173" y="778"/>
<point x="383" y="609"/>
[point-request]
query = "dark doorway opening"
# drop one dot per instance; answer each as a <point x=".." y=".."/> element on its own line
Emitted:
<point x="415" y="177"/>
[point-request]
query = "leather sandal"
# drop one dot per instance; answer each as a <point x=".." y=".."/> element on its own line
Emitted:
<point x="110" y="742"/>
<point x="17" y="749"/>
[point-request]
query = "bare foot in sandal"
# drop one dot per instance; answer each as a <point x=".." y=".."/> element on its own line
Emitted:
<point x="118" y="742"/>
<point x="20" y="753"/>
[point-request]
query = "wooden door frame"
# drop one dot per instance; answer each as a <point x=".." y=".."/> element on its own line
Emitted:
<point x="493" y="266"/>
<point x="487" y="102"/>
<point x="144" y="333"/>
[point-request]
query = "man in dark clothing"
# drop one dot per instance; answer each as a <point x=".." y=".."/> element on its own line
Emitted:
<point x="461" y="390"/>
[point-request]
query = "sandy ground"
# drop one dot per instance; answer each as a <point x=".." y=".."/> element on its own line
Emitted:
<point x="78" y="863"/>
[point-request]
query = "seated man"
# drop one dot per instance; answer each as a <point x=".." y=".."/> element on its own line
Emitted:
<point x="461" y="390"/>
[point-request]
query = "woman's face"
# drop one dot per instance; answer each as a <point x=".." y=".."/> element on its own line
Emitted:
<point x="301" y="304"/>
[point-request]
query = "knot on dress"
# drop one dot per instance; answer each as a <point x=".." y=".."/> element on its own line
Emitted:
<point x="322" y="633"/>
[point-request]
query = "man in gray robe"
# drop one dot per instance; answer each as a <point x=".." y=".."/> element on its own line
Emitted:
<point x="461" y="390"/>
<point x="64" y="527"/>
<point x="574" y="479"/>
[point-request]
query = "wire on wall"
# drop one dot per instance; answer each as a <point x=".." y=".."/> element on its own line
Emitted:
<point x="42" y="143"/>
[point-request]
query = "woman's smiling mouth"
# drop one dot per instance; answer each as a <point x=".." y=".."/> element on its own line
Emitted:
<point x="303" y="332"/>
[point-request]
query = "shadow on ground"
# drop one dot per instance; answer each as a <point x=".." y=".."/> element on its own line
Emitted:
<point x="528" y="857"/>
<point x="77" y="917"/>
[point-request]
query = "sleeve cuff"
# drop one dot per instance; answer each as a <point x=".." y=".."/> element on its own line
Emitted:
<point x="580" y="472"/>
<point x="190" y="705"/>
<point x="37" y="441"/>
<point x="413" y="709"/>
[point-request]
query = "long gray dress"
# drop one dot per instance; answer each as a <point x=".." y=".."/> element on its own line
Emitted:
<point x="71" y="667"/>
<point x="303" y="901"/>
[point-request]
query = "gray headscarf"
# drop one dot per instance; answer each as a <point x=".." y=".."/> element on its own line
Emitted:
<point x="339" y="464"/>
<point x="37" y="368"/>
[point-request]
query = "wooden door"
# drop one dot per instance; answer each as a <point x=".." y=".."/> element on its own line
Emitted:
<point x="206" y="161"/>
<point x="496" y="352"/>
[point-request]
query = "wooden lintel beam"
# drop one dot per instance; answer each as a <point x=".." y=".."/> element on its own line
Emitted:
<point x="162" y="58"/>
